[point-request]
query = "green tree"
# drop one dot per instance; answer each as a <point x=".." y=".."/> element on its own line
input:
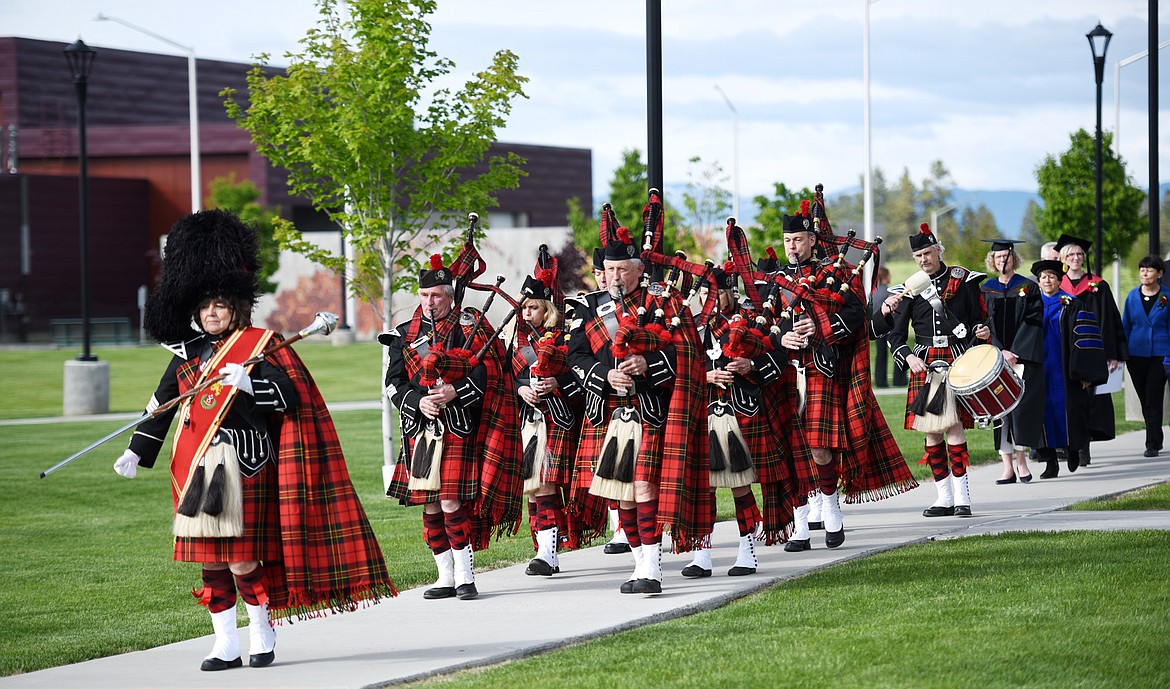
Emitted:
<point x="627" y="195"/>
<point x="968" y="249"/>
<point x="770" y="212"/>
<point x="1029" y="233"/>
<point x="938" y="188"/>
<point x="242" y="198"/>
<point x="363" y="132"/>
<point x="1068" y="189"/>
<point x="901" y="211"/>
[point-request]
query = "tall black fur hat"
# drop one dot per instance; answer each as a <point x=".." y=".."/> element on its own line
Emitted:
<point x="208" y="254"/>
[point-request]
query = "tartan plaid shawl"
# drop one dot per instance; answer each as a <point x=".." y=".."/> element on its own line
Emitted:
<point x="872" y="466"/>
<point x="684" y="492"/>
<point x="497" y="511"/>
<point x="330" y="558"/>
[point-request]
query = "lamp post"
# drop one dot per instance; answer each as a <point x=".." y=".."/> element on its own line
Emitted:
<point x="192" y="104"/>
<point x="80" y="57"/>
<point x="734" y="151"/>
<point x="1099" y="38"/>
<point x="87" y="380"/>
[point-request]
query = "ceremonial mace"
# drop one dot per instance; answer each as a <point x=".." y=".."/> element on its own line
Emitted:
<point x="324" y="323"/>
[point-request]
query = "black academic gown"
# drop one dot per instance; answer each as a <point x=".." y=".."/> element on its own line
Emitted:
<point x="1016" y="316"/>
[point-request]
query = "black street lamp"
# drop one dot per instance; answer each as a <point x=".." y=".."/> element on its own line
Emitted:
<point x="1099" y="37"/>
<point x="80" y="58"/>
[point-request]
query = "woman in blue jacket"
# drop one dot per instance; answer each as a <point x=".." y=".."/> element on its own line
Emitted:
<point x="1146" y="321"/>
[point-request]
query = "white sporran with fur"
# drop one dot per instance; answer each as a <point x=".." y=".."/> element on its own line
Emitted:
<point x="229" y="523"/>
<point x="727" y="441"/>
<point x="938" y="423"/>
<point x="428" y="456"/>
<point x="619" y="453"/>
<point x="534" y="440"/>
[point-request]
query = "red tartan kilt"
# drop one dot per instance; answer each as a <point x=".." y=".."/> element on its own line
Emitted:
<point x="261" y="539"/>
<point x="781" y="410"/>
<point x="562" y="453"/>
<point x="917" y="380"/>
<point x="823" y="421"/>
<point x="458" y="473"/>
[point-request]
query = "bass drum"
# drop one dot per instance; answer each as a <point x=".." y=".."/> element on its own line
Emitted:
<point x="985" y="384"/>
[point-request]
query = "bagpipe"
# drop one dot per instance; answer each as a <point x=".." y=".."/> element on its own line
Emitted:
<point x="840" y="271"/>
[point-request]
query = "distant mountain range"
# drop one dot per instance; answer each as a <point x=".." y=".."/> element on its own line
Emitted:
<point x="1006" y="206"/>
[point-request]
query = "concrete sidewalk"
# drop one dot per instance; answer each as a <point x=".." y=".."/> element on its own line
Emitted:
<point x="410" y="638"/>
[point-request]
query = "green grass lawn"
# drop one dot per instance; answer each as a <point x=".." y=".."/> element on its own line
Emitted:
<point x="1150" y="498"/>
<point x="1078" y="609"/>
<point x="85" y="554"/>
<point x="37" y="375"/>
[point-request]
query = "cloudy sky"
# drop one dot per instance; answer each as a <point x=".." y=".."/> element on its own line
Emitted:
<point x="988" y="87"/>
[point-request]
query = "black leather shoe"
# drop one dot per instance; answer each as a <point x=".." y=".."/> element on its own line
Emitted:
<point x="1073" y="462"/>
<point x="1050" y="472"/>
<point x="815" y="526"/>
<point x="216" y="664"/>
<point x="739" y="571"/>
<point x="647" y="586"/>
<point x="962" y="510"/>
<point x="695" y="572"/>
<point x="1026" y="479"/>
<point x="796" y="545"/>
<point x="1150" y="452"/>
<point x="627" y="586"/>
<point x="540" y="568"/>
<point x="616" y="548"/>
<point x="466" y="591"/>
<point x="261" y="659"/>
<point x="1085" y="459"/>
<point x="938" y="511"/>
<point x="439" y="592"/>
<point x="1005" y="481"/>
<point x="834" y="539"/>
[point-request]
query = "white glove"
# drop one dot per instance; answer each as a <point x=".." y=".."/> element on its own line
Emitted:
<point x="235" y="375"/>
<point x="127" y="464"/>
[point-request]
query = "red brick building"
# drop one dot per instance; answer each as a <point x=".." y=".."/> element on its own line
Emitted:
<point x="138" y="153"/>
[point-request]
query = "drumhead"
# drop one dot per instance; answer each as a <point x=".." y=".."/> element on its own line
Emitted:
<point x="975" y="368"/>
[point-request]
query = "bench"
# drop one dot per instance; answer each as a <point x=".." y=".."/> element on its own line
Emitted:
<point x="67" y="332"/>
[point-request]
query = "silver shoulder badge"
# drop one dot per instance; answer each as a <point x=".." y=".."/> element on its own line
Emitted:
<point x="466" y="318"/>
<point x="656" y="288"/>
<point x="957" y="272"/>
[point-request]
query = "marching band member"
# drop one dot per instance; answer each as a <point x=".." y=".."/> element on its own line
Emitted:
<point x="550" y="413"/>
<point x="743" y="449"/>
<point x="946" y="318"/>
<point x="456" y="467"/>
<point x="641" y="409"/>
<point x="256" y="457"/>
